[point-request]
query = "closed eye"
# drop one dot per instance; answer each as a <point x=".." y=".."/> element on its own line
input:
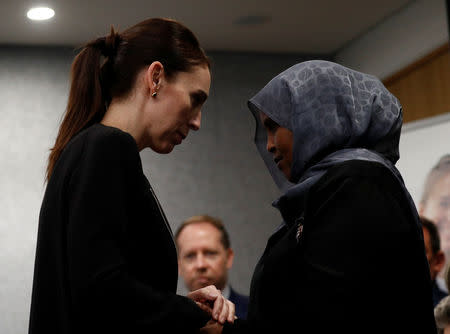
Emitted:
<point x="198" y="98"/>
<point x="270" y="125"/>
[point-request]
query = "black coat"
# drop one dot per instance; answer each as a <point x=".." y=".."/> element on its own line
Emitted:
<point x="350" y="259"/>
<point x="105" y="260"/>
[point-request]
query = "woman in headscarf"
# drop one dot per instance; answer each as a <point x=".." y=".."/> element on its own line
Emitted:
<point x="349" y="255"/>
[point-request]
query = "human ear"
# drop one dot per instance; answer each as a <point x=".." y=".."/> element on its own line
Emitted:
<point x="153" y="77"/>
<point x="439" y="261"/>
<point x="230" y="257"/>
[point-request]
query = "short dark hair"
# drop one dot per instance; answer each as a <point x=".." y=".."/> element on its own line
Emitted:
<point x="434" y="234"/>
<point x="216" y="222"/>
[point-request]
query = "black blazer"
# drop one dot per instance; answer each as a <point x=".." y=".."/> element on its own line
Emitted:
<point x="351" y="259"/>
<point x="105" y="259"/>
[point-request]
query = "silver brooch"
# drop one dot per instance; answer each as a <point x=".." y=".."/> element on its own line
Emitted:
<point x="299" y="233"/>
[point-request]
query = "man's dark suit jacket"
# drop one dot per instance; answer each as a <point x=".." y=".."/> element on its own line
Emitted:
<point x="240" y="302"/>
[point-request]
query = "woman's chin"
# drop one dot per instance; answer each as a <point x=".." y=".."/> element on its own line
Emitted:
<point x="286" y="171"/>
<point x="163" y="149"/>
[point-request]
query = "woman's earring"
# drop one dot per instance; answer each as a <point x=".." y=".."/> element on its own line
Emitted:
<point x="155" y="92"/>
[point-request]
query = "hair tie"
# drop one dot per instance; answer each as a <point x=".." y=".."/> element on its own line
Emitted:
<point x="107" y="45"/>
<point x="112" y="43"/>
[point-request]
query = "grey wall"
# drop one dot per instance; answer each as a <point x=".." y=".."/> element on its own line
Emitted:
<point x="217" y="170"/>
<point x="33" y="90"/>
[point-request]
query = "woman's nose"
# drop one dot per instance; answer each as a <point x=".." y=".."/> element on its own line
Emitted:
<point x="270" y="144"/>
<point x="195" y="122"/>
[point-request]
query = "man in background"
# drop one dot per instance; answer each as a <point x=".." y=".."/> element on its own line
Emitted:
<point x="205" y="256"/>
<point x="435" y="256"/>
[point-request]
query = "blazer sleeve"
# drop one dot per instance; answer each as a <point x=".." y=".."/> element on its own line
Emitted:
<point x="101" y="286"/>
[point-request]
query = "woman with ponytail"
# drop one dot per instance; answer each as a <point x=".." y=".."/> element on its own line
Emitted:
<point x="105" y="259"/>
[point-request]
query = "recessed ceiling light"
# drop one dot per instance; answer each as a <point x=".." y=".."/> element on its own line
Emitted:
<point x="40" y="13"/>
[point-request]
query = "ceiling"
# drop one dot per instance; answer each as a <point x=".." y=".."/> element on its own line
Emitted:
<point x="300" y="26"/>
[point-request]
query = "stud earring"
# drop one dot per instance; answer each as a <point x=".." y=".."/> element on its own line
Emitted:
<point x="154" y="94"/>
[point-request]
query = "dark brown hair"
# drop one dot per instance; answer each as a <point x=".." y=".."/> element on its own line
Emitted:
<point x="432" y="229"/>
<point x="107" y="68"/>
<point x="216" y="222"/>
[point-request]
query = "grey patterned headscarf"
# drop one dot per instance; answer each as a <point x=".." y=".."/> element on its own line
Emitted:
<point x="335" y="113"/>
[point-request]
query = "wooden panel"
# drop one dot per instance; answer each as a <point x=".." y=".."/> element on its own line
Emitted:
<point x="423" y="87"/>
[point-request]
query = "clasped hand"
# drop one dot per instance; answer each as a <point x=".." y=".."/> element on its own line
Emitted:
<point x="211" y="300"/>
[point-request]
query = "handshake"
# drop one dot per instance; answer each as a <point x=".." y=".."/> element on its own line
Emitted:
<point x="211" y="300"/>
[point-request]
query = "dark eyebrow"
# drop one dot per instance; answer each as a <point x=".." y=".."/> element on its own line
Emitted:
<point x="198" y="97"/>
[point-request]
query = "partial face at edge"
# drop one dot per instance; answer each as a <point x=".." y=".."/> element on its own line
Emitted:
<point x="437" y="209"/>
<point x="280" y="143"/>
<point x="437" y="205"/>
